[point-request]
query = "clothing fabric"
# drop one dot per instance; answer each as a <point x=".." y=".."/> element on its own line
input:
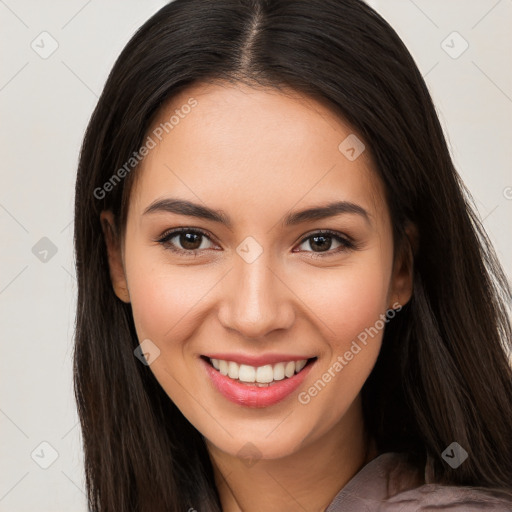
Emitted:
<point x="390" y="484"/>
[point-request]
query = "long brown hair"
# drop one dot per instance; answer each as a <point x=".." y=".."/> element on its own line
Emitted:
<point x="442" y="374"/>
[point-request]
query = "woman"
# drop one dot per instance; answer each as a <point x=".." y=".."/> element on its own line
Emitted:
<point x="286" y="301"/>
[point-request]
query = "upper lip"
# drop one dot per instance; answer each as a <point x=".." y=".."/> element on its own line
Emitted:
<point x="258" y="360"/>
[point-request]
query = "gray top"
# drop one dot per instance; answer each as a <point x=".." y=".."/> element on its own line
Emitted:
<point x="389" y="484"/>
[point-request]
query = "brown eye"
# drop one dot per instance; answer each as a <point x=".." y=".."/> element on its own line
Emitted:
<point x="185" y="241"/>
<point x="322" y="242"/>
<point x="190" y="241"/>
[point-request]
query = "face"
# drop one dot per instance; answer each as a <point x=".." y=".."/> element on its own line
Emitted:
<point x="226" y="275"/>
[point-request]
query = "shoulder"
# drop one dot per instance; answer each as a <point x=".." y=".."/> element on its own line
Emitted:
<point x="437" y="497"/>
<point x="390" y="484"/>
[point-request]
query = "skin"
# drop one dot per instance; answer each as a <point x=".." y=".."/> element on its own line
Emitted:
<point x="257" y="155"/>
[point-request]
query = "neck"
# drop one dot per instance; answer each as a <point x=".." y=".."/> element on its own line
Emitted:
<point x="307" y="479"/>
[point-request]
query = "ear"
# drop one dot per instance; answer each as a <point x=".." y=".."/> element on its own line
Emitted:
<point x="402" y="279"/>
<point x="115" y="257"/>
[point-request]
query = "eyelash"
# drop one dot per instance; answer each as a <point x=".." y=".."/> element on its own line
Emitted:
<point x="346" y="244"/>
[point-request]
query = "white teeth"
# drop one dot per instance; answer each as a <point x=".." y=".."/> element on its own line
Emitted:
<point x="265" y="374"/>
<point x="223" y="367"/>
<point x="232" y="370"/>
<point x="279" y="371"/>
<point x="246" y="373"/>
<point x="261" y="375"/>
<point x="299" y="365"/>
<point x="289" y="369"/>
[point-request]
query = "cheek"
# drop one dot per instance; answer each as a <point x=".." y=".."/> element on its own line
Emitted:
<point x="164" y="297"/>
<point x="351" y="303"/>
<point x="348" y="300"/>
<point x="166" y="302"/>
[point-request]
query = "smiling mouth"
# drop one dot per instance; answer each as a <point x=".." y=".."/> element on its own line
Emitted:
<point x="261" y="376"/>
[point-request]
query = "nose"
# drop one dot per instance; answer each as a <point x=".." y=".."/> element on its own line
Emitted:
<point x="256" y="301"/>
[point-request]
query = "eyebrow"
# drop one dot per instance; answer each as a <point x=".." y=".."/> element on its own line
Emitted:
<point x="183" y="207"/>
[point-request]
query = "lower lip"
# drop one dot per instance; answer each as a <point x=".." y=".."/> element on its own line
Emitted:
<point x="254" y="396"/>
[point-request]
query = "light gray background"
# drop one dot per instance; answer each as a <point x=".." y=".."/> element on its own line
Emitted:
<point x="45" y="105"/>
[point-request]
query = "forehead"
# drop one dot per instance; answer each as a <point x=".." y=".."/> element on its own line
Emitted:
<point x="253" y="149"/>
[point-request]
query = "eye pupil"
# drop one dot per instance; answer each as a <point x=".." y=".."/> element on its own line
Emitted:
<point x="189" y="240"/>
<point x="324" y="246"/>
